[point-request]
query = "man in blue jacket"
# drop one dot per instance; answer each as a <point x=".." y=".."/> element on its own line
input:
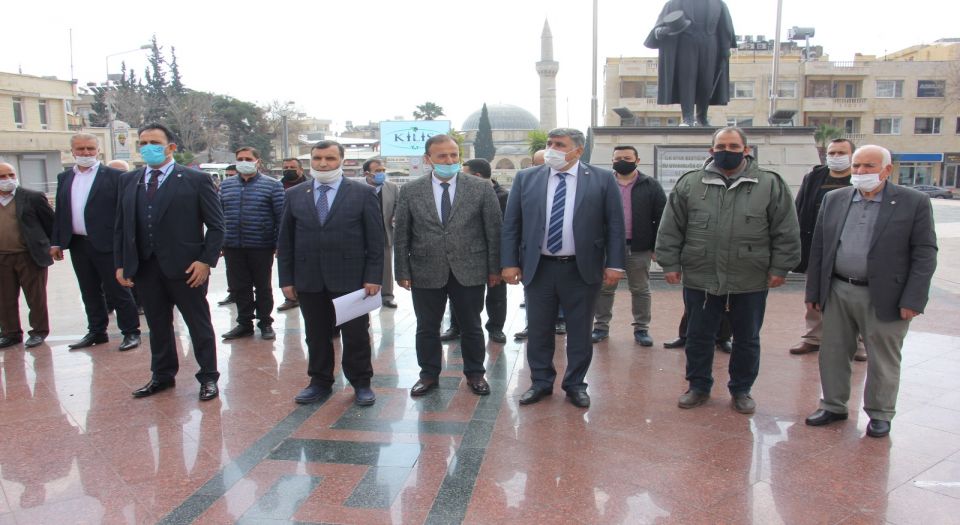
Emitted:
<point x="252" y="208"/>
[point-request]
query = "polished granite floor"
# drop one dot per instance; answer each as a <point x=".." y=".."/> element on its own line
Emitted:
<point x="76" y="448"/>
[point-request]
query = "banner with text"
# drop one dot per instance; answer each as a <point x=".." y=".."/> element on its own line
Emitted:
<point x="406" y="138"/>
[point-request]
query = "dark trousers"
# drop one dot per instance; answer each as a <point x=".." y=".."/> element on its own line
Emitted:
<point x="746" y="318"/>
<point x="466" y="302"/>
<point x="97" y="278"/>
<point x="696" y="64"/>
<point x="496" y="309"/>
<point x="318" y="319"/>
<point x="250" y="270"/>
<point x="18" y="271"/>
<point x="559" y="285"/>
<point x="722" y="335"/>
<point x="159" y="295"/>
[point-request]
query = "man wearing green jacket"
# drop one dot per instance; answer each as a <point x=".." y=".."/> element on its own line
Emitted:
<point x="729" y="233"/>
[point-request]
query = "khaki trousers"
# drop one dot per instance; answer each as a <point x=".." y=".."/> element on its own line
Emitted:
<point x="18" y="271"/>
<point x="638" y="280"/>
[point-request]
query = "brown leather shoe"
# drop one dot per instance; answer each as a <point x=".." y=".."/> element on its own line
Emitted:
<point x="423" y="386"/>
<point x="479" y="386"/>
<point x="804" y="348"/>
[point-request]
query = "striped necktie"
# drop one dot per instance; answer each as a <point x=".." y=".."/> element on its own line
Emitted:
<point x="555" y="233"/>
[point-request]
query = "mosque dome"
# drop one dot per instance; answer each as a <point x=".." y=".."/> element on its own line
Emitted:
<point x="503" y="116"/>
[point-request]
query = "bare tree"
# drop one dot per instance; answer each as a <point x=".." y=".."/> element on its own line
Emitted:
<point x="189" y="115"/>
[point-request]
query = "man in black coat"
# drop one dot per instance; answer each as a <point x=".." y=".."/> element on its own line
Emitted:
<point x="694" y="38"/>
<point x="331" y="244"/>
<point x="26" y="222"/>
<point x="86" y="215"/>
<point x="161" y="244"/>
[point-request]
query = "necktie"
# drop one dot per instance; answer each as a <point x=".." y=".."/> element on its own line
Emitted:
<point x="555" y="233"/>
<point x="153" y="184"/>
<point x="445" y="203"/>
<point x="323" y="207"/>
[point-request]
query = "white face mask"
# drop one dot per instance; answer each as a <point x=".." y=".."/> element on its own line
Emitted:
<point x="85" y="162"/>
<point x="838" y="162"/>
<point x="865" y="181"/>
<point x="555" y="159"/>
<point x="326" y="177"/>
<point x="8" y="185"/>
<point x="246" y="167"/>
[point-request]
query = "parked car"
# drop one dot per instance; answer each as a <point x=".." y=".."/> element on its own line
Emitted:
<point x="934" y="192"/>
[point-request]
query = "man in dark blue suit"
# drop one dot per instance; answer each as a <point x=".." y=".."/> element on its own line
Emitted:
<point x="331" y="243"/>
<point x="563" y="236"/>
<point x="161" y="244"/>
<point x="86" y="215"/>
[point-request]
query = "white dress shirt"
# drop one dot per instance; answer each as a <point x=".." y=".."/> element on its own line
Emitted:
<point x="568" y="247"/>
<point x="79" y="193"/>
<point x="438" y="192"/>
<point x="164" y="171"/>
<point x="331" y="193"/>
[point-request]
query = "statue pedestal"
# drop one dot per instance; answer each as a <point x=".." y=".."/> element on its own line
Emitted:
<point x="666" y="153"/>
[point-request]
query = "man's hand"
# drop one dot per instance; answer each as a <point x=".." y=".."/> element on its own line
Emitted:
<point x="775" y="280"/>
<point x="813" y="306"/>
<point x="199" y="272"/>
<point x="672" y="277"/>
<point x="56" y="253"/>
<point x="404" y="283"/>
<point x="511" y="275"/>
<point x="126" y="283"/>
<point x="611" y="277"/>
<point x="493" y="280"/>
<point x="907" y="314"/>
<point x="289" y="292"/>
<point x="372" y="289"/>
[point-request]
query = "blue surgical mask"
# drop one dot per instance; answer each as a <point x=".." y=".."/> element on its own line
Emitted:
<point x="379" y="178"/>
<point x="446" y="171"/>
<point x="153" y="154"/>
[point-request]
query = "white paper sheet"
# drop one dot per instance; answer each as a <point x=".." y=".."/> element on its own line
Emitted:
<point x="355" y="304"/>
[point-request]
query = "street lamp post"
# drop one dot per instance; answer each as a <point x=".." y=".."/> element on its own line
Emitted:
<point x="285" y="138"/>
<point x="106" y="84"/>
<point x="107" y="59"/>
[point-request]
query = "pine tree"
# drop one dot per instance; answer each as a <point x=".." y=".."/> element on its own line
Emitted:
<point x="156" y="84"/>
<point x="176" y="81"/>
<point x="483" y="145"/>
<point x="100" y="116"/>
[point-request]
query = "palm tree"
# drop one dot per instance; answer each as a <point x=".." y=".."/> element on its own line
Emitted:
<point x="537" y="139"/>
<point x="428" y="111"/>
<point x="822" y="136"/>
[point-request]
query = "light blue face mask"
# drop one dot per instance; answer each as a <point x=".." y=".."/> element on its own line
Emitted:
<point x="446" y="171"/>
<point x="379" y="178"/>
<point x="153" y="154"/>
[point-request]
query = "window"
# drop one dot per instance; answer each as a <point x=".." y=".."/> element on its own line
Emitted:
<point x="741" y="89"/>
<point x="650" y="90"/>
<point x="43" y="114"/>
<point x="851" y="125"/>
<point x="889" y="89"/>
<point x="638" y="89"/>
<point x="819" y="89"/>
<point x="787" y="89"/>
<point x="913" y="174"/>
<point x="18" y="112"/>
<point x="740" y="122"/>
<point x="926" y="126"/>
<point x="886" y="126"/>
<point x="958" y="126"/>
<point x="931" y="88"/>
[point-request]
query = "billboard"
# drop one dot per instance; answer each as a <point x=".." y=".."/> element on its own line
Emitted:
<point x="406" y="138"/>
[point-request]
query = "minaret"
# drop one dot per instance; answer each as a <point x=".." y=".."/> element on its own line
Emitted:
<point x="547" y="69"/>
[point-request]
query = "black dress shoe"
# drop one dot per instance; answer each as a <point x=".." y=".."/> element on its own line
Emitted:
<point x="208" y="390"/>
<point x="560" y="328"/>
<point x="364" y="396"/>
<point x="534" y="394"/>
<point x="422" y="386"/>
<point x="679" y="342"/>
<point x="153" y="387"/>
<point x="522" y="334"/>
<point x="90" y="339"/>
<point x="389" y="304"/>
<point x="878" y="428"/>
<point x="725" y="346"/>
<point x="497" y="336"/>
<point x="479" y="386"/>
<point x="9" y="340"/>
<point x="267" y="333"/>
<point x="579" y="398"/>
<point x="129" y="342"/>
<point x="33" y="340"/>
<point x="822" y="417"/>
<point x="312" y="394"/>
<point x="227" y="300"/>
<point x="450" y="335"/>
<point x="238" y="332"/>
<point x="287" y="305"/>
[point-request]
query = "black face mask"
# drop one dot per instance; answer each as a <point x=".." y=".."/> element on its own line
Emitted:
<point x="727" y="160"/>
<point x="624" y="167"/>
<point x="290" y="174"/>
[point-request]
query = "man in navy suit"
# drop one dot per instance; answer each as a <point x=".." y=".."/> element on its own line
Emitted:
<point x="331" y="243"/>
<point x="86" y="215"/>
<point x="161" y="244"/>
<point x="563" y="236"/>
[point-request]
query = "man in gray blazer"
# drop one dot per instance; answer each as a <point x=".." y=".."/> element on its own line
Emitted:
<point x="563" y="236"/>
<point x="447" y="245"/>
<point x="873" y="255"/>
<point x="387" y="193"/>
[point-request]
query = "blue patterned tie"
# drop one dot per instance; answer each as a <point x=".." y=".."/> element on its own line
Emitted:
<point x="323" y="208"/>
<point x="555" y="236"/>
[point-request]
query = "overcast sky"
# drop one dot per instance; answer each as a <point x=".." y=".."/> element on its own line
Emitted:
<point x="377" y="59"/>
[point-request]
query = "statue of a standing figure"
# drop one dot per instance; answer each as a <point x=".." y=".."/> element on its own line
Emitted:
<point x="694" y="38"/>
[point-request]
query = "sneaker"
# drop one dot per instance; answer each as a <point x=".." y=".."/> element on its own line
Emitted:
<point x="642" y="338"/>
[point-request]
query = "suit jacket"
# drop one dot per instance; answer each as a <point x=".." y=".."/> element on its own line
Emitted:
<point x="35" y="217"/>
<point x="426" y="252"/>
<point x="99" y="213"/>
<point x="902" y="257"/>
<point x="390" y="193"/>
<point x="598" y="226"/>
<point x="341" y="255"/>
<point x="186" y="202"/>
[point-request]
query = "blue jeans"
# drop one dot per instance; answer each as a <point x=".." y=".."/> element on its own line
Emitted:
<point x="705" y="315"/>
